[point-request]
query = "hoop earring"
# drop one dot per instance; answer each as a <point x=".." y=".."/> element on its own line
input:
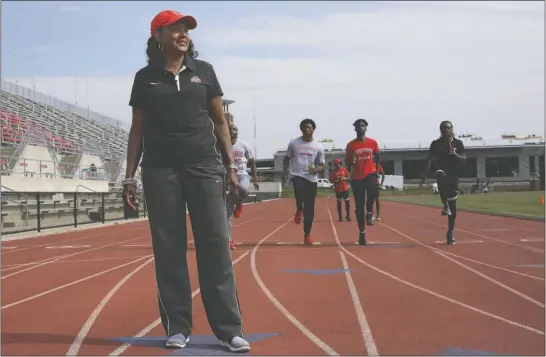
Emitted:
<point x="160" y="47"/>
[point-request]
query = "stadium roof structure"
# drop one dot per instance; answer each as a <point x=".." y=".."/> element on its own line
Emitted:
<point x="474" y="143"/>
<point x="468" y="142"/>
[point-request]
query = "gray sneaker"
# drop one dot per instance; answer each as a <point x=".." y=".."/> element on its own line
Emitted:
<point x="237" y="344"/>
<point x="177" y="341"/>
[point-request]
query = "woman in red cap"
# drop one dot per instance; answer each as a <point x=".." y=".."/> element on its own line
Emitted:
<point x="180" y="128"/>
<point x="339" y="177"/>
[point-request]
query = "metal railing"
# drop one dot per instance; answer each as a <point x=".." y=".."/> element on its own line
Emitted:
<point x="45" y="210"/>
<point x="17" y="202"/>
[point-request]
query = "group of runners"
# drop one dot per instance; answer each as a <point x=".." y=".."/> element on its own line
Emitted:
<point x="304" y="162"/>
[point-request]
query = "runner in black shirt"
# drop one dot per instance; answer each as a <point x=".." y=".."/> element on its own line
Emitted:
<point x="446" y="155"/>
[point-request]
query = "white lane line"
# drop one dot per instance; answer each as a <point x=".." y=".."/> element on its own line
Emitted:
<point x="49" y="234"/>
<point x="311" y="336"/>
<point x="362" y="321"/>
<point x="493" y="266"/>
<point x="71" y="255"/>
<point x="146" y="330"/>
<point x="15" y="266"/>
<point x="535" y="250"/>
<point x="367" y="336"/>
<point x="70" y="284"/>
<point x="486" y="277"/>
<point x="440" y="296"/>
<point x="86" y="327"/>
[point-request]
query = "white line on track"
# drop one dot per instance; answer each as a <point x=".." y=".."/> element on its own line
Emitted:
<point x="440" y="296"/>
<point x="532" y="239"/>
<point x="83" y="260"/>
<point x="70" y="255"/>
<point x="311" y="336"/>
<point x="76" y="344"/>
<point x="464" y="266"/>
<point x="9" y="238"/>
<point x="68" y="246"/>
<point x="526" y="247"/>
<point x="102" y="259"/>
<point x="146" y="330"/>
<point x="71" y="283"/>
<point x="493" y="266"/>
<point x="369" y="342"/>
<point x="15" y="266"/>
<point x="367" y="336"/>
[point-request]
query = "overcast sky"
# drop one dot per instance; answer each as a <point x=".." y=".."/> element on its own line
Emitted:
<point x="404" y="66"/>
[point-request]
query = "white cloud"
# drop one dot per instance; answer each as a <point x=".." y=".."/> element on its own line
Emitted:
<point x="404" y="66"/>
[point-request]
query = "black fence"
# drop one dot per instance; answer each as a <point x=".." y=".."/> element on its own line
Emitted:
<point x="37" y="211"/>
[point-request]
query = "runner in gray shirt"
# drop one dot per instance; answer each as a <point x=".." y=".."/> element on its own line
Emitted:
<point x="243" y="156"/>
<point x="303" y="162"/>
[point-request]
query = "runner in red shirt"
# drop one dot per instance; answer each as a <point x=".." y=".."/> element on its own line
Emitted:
<point x="339" y="177"/>
<point x="380" y="184"/>
<point x="361" y="156"/>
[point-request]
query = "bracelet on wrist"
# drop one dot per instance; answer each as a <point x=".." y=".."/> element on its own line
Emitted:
<point x="129" y="181"/>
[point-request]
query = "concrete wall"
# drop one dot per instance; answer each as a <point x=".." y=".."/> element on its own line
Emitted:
<point x="267" y="187"/>
<point x="21" y="183"/>
<point x="41" y="162"/>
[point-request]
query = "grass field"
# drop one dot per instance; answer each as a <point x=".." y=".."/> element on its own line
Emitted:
<point x="525" y="203"/>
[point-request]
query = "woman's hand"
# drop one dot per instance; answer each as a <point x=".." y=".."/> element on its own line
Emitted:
<point x="129" y="194"/>
<point x="232" y="183"/>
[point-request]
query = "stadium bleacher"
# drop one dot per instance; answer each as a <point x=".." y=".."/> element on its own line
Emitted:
<point x="66" y="133"/>
<point x="74" y="147"/>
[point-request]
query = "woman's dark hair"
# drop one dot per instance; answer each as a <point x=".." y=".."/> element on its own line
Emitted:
<point x="444" y="123"/>
<point x="308" y="121"/>
<point x="155" y="55"/>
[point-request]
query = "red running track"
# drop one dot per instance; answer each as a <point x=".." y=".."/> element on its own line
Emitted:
<point x="407" y="293"/>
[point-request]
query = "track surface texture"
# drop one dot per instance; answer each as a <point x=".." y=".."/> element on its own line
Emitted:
<point x="93" y="292"/>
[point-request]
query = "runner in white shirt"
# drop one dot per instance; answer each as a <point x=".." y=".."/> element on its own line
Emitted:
<point x="302" y="164"/>
<point x="243" y="156"/>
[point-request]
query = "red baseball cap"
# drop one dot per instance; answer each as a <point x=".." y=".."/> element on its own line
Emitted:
<point x="337" y="161"/>
<point x="169" y="17"/>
